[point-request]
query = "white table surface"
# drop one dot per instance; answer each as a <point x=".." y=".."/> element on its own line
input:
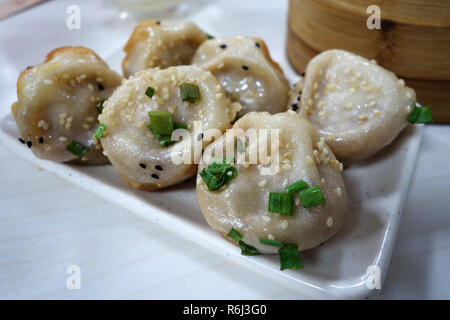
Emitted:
<point x="47" y="224"/>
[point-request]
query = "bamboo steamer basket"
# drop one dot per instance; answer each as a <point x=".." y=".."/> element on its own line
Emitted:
<point x="413" y="42"/>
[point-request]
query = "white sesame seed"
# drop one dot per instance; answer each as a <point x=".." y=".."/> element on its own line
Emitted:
<point x="330" y="222"/>
<point x="339" y="191"/>
<point x="284" y="224"/>
<point x="270" y="236"/>
<point x="262" y="183"/>
<point x="372" y="103"/>
<point x="348" y="106"/>
<point x="265" y="218"/>
<point x="48" y="82"/>
<point x="376" y="112"/>
<point x="362" y="118"/>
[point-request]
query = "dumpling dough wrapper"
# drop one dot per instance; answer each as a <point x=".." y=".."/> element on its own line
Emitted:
<point x="57" y="103"/>
<point x="242" y="204"/>
<point x="358" y="106"/>
<point x="246" y="71"/>
<point x="133" y="149"/>
<point x="161" y="44"/>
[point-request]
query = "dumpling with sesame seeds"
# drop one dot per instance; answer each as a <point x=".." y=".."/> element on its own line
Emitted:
<point x="246" y="71"/>
<point x="293" y="193"/>
<point x="58" y="103"/>
<point x="155" y="123"/>
<point x="161" y="44"/>
<point x="358" y="106"/>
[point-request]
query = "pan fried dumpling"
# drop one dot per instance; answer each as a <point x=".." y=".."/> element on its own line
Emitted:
<point x="243" y="203"/>
<point x="143" y="156"/>
<point x="57" y="104"/>
<point x="246" y="71"/>
<point x="161" y="44"/>
<point x="358" y="106"/>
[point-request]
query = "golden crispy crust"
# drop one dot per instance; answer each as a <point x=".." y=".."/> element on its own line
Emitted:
<point x="138" y="186"/>
<point x="267" y="54"/>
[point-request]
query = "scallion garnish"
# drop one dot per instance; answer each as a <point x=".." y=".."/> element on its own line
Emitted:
<point x="420" y="115"/>
<point x="312" y="197"/>
<point x="161" y="122"/>
<point x="218" y="174"/>
<point x="77" y="148"/>
<point x="280" y="203"/>
<point x="100" y="130"/>
<point x="247" y="250"/>
<point x="100" y="107"/>
<point x="166" y="139"/>
<point x="189" y="92"/>
<point x="149" y="92"/>
<point x="270" y="242"/>
<point x="289" y="257"/>
<point x="179" y="126"/>
<point x="234" y="235"/>
<point x="296" y="186"/>
<point x="209" y="36"/>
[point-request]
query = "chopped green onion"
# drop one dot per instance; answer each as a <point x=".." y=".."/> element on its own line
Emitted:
<point x="312" y="197"/>
<point x="289" y="257"/>
<point x="209" y="36"/>
<point x="166" y="139"/>
<point x="239" y="146"/>
<point x="77" y="149"/>
<point x="100" y="107"/>
<point x="247" y="250"/>
<point x="234" y="235"/>
<point x="218" y="174"/>
<point x="280" y="203"/>
<point x="100" y="130"/>
<point x="420" y="115"/>
<point x="149" y="92"/>
<point x="161" y="122"/>
<point x="296" y="186"/>
<point x="179" y="126"/>
<point x="270" y="242"/>
<point x="189" y="92"/>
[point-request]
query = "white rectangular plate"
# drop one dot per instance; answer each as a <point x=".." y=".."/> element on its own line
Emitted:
<point x="338" y="269"/>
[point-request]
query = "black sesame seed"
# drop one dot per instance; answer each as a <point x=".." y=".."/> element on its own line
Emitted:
<point x="245" y="67"/>
<point x="22" y="141"/>
<point x="300" y="93"/>
<point x="257" y="44"/>
<point x="159" y="168"/>
<point x="158" y="22"/>
<point x="100" y="87"/>
<point x="294" y="106"/>
<point x="29" y="144"/>
<point x="200" y="137"/>
<point x="142" y="165"/>
<point x="155" y="176"/>
<point x="298" y="98"/>
<point x="41" y="140"/>
<point x="223" y="46"/>
<point x="303" y="74"/>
